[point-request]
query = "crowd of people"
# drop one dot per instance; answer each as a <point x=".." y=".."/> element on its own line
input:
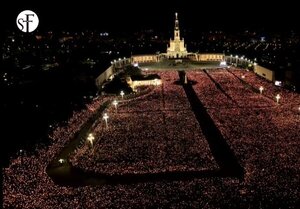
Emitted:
<point x="243" y="96"/>
<point x="25" y="181"/>
<point x="288" y="98"/>
<point x="207" y="91"/>
<point x="158" y="132"/>
<point x="148" y="135"/>
<point x="263" y="134"/>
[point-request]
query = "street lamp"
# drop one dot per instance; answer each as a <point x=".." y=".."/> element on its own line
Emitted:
<point x="105" y="117"/>
<point x="261" y="89"/>
<point x="91" y="138"/>
<point x="122" y="94"/>
<point x="277" y="98"/>
<point x="115" y="103"/>
<point x="236" y="59"/>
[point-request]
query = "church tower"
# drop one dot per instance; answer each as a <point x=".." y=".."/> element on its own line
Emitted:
<point x="177" y="49"/>
<point x="176" y="29"/>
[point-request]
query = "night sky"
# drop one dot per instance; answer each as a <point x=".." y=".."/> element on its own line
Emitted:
<point x="128" y="16"/>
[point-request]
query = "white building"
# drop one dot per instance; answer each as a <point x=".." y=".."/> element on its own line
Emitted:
<point x="177" y="49"/>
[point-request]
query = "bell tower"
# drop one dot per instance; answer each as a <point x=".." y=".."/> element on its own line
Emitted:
<point x="176" y="29"/>
<point x="177" y="49"/>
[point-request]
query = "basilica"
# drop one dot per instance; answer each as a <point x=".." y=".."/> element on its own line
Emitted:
<point x="177" y="49"/>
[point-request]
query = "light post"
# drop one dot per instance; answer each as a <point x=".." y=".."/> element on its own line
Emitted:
<point x="115" y="103"/>
<point x="261" y="89"/>
<point x="277" y="98"/>
<point x="122" y="94"/>
<point x="105" y="117"/>
<point x="236" y="59"/>
<point x="91" y="138"/>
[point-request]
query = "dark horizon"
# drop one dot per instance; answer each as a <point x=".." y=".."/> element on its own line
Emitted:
<point x="129" y="16"/>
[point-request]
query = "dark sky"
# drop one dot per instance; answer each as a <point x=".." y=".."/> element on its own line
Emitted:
<point x="159" y="14"/>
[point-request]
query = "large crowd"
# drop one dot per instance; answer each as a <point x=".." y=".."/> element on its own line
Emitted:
<point x="263" y="134"/>
<point x="136" y="140"/>
<point x="288" y="98"/>
<point x="157" y="133"/>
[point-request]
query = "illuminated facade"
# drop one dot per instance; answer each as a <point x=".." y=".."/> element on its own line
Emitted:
<point x="210" y="57"/>
<point x="147" y="81"/>
<point x="144" y="58"/>
<point x="177" y="49"/>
